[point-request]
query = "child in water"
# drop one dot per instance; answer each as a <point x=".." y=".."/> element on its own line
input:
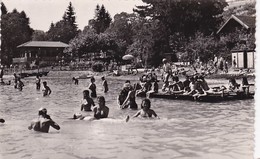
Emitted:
<point x="145" y="111"/>
<point x="46" y="90"/>
<point x="87" y="102"/>
<point x="20" y="84"/>
<point x="38" y="82"/>
<point x="92" y="87"/>
<point x="76" y="81"/>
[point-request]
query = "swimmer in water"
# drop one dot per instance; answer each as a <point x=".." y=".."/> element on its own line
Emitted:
<point x="145" y="110"/>
<point x="104" y="84"/>
<point x="20" y="84"/>
<point x="2" y="120"/>
<point x="46" y="90"/>
<point x="100" y="111"/>
<point x="92" y="87"/>
<point x="87" y="102"/>
<point x="76" y="81"/>
<point x="43" y="122"/>
<point x="38" y="82"/>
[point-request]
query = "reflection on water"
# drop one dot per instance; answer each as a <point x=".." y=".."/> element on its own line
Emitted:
<point x="186" y="129"/>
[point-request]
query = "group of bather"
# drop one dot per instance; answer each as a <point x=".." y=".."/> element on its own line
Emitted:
<point x="194" y="85"/>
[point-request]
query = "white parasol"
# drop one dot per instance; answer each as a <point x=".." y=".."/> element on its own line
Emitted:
<point x="128" y="57"/>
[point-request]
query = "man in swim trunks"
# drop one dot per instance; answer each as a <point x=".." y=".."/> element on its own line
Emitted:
<point x="43" y="122"/>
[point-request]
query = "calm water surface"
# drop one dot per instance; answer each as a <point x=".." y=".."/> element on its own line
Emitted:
<point x="186" y="129"/>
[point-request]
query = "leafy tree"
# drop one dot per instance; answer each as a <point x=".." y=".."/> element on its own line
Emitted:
<point x="187" y="16"/>
<point x="89" y="41"/>
<point x="122" y="26"/>
<point x="101" y="20"/>
<point x="65" y="29"/>
<point x="39" y="35"/>
<point x="3" y="9"/>
<point x="69" y="16"/>
<point x="15" y="30"/>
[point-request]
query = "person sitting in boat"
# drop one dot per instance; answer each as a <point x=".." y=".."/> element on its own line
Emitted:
<point x="192" y="87"/>
<point x="155" y="89"/>
<point x="87" y="102"/>
<point x="124" y="92"/>
<point x="145" y="111"/>
<point x="20" y="84"/>
<point x="92" y="87"/>
<point x="130" y="99"/>
<point x="46" y="89"/>
<point x="233" y="85"/>
<point x="154" y="77"/>
<point x="177" y="86"/>
<point x="186" y="84"/>
<point x="76" y="81"/>
<point x="145" y="88"/>
<point x="245" y="85"/>
<point x="199" y="89"/>
<point x="43" y="122"/>
<point x="203" y="83"/>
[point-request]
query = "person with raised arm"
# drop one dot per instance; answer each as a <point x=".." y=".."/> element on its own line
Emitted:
<point x="43" y="122"/>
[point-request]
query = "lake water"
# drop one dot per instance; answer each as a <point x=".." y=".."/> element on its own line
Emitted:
<point x="185" y="130"/>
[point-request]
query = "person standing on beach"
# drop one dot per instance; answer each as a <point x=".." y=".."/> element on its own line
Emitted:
<point x="43" y="122"/>
<point x="104" y="84"/>
<point x="46" y="89"/>
<point x="38" y="82"/>
<point x="92" y="87"/>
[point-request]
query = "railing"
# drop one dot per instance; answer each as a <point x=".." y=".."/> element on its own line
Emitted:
<point x="30" y="59"/>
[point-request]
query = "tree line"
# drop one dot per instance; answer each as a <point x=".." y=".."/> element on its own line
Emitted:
<point x="183" y="28"/>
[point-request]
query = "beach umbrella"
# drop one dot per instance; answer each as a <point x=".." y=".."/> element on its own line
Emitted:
<point x="128" y="57"/>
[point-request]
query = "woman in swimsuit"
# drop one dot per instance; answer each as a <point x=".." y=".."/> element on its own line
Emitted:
<point x="87" y="102"/>
<point x="146" y="111"/>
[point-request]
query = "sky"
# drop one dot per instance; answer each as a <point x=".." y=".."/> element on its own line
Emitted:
<point x="43" y="12"/>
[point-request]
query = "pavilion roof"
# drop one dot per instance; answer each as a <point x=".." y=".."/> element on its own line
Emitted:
<point x="40" y="44"/>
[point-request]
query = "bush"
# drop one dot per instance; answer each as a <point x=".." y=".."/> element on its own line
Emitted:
<point x="97" y="67"/>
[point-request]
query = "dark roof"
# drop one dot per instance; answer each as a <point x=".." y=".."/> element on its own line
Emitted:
<point x="43" y="44"/>
<point x="245" y="21"/>
<point x="248" y="20"/>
